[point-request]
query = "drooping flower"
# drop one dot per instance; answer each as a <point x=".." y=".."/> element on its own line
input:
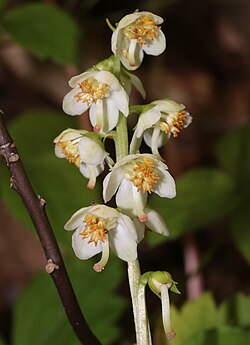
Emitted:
<point x="160" y="282"/>
<point x="133" y="177"/>
<point x="102" y="93"/>
<point x="97" y="228"/>
<point x="163" y="119"/>
<point x="87" y="153"/>
<point x="135" y="34"/>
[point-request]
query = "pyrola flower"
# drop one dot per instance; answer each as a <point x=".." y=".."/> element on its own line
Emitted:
<point x="135" y="34"/>
<point x="133" y="177"/>
<point x="101" y="92"/>
<point x="160" y="282"/>
<point x="87" y="153"/>
<point x="156" y="125"/>
<point x="97" y="228"/>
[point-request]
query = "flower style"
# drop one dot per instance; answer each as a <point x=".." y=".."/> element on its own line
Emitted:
<point x="156" y="125"/>
<point x="97" y="228"/>
<point x="87" y="153"/>
<point x="133" y="177"/>
<point x="135" y="34"/>
<point x="102" y="93"/>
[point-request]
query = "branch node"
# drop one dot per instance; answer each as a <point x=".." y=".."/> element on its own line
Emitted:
<point x="5" y="146"/>
<point x="12" y="182"/>
<point x="51" y="266"/>
<point x="14" y="158"/>
<point x="41" y="200"/>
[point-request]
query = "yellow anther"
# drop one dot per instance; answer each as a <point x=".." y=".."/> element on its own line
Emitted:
<point x="95" y="228"/>
<point x="174" y="123"/>
<point x="70" y="150"/>
<point x="91" y="91"/>
<point x="143" y="175"/>
<point x="143" y="29"/>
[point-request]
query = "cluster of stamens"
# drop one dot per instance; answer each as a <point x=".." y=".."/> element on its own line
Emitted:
<point x="143" y="175"/>
<point x="91" y="91"/>
<point x="143" y="29"/>
<point x="95" y="228"/>
<point x="174" y="123"/>
<point x="70" y="150"/>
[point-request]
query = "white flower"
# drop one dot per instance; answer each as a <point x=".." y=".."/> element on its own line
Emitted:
<point x="133" y="177"/>
<point x="102" y="93"/>
<point x="97" y="228"/>
<point x="155" y="125"/>
<point x="88" y="154"/>
<point x="135" y="34"/>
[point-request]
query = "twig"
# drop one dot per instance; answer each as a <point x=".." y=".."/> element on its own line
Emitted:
<point x="36" y="208"/>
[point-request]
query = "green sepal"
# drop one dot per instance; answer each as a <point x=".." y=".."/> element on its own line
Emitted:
<point x="145" y="277"/>
<point x="139" y="109"/>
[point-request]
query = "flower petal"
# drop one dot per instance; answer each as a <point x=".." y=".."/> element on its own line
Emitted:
<point x="58" y="152"/>
<point x="74" y="81"/>
<point x="111" y="114"/>
<point x="70" y="134"/>
<point x="122" y="239"/>
<point x="84" y="250"/>
<point x="124" y="197"/>
<point x="104" y="211"/>
<point x="71" y="106"/>
<point x="111" y="183"/>
<point x="91" y="152"/>
<point x="77" y="218"/>
<point x="140" y="228"/>
<point x="168" y="106"/>
<point x="157" y="46"/>
<point x="162" y="138"/>
<point x="108" y="78"/>
<point x="135" y="143"/>
<point x="155" y="222"/>
<point x="120" y="98"/>
<point x="137" y="84"/>
<point x="165" y="188"/>
<point x="147" y="120"/>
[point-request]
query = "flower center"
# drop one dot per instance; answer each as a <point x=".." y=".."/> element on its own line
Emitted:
<point x="70" y="150"/>
<point x="95" y="228"/>
<point x="143" y="175"/>
<point x="91" y="91"/>
<point x="174" y="122"/>
<point x="143" y="29"/>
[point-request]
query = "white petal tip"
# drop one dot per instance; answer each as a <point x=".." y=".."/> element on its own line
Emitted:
<point x="96" y="129"/>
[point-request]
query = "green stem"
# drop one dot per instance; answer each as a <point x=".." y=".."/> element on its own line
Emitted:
<point x="144" y="336"/>
<point x="137" y="291"/>
<point x="121" y="138"/>
<point x="134" y="275"/>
